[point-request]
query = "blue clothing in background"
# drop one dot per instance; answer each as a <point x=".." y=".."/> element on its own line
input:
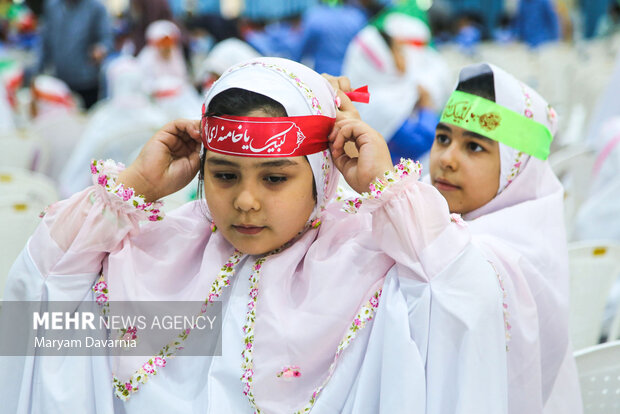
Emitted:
<point x="70" y="31"/>
<point x="489" y="10"/>
<point x="414" y="137"/>
<point x="327" y="31"/>
<point x="281" y="39"/>
<point x="592" y="12"/>
<point x="537" y="22"/>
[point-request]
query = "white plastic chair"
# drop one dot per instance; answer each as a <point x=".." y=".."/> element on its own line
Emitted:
<point x="61" y="133"/>
<point x="24" y="150"/>
<point x="573" y="166"/>
<point x="593" y="267"/>
<point x="20" y="185"/>
<point x="599" y="376"/>
<point x="18" y="220"/>
<point x="23" y="195"/>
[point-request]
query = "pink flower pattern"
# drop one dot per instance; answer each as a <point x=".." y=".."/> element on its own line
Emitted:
<point x="365" y="314"/>
<point x="104" y="177"/>
<point x="404" y="168"/>
<point x="149" y="368"/>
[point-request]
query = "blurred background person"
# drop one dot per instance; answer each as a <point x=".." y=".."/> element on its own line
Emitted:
<point x="223" y="55"/>
<point x="142" y="13"/>
<point x="162" y="56"/>
<point x="537" y="22"/>
<point x="327" y="30"/>
<point x="117" y="127"/>
<point x="75" y="38"/>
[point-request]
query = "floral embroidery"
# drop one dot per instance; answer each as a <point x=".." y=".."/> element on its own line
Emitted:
<point x="507" y="326"/>
<point x="516" y="168"/>
<point x="404" y="168"/>
<point x="289" y="372"/>
<point x="456" y="218"/>
<point x="528" y="102"/>
<point x="551" y="114"/>
<point x="100" y="289"/>
<point x="316" y="223"/>
<point x="247" y="364"/>
<point x="213" y="227"/>
<point x="309" y="95"/>
<point x="325" y="168"/>
<point x="365" y="314"/>
<point x="104" y="174"/>
<point x="124" y="389"/>
<point x="351" y="205"/>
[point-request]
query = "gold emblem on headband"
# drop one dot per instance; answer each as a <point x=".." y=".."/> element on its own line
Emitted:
<point x="489" y="121"/>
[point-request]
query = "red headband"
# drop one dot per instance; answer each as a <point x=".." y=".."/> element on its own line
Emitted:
<point x="266" y="137"/>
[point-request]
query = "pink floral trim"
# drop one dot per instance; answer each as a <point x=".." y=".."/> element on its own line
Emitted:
<point x="365" y="314"/>
<point x="516" y="168"/>
<point x="247" y="364"/>
<point x="289" y="372"/>
<point x="105" y="174"/>
<point x="528" y="103"/>
<point x="456" y="218"/>
<point x="124" y="389"/>
<point x="551" y="114"/>
<point x="507" y="326"/>
<point x="404" y="168"/>
<point x="325" y="167"/>
<point x="309" y="95"/>
<point x="100" y="290"/>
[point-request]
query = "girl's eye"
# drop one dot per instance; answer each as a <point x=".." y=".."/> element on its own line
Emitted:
<point x="475" y="147"/>
<point x="442" y="139"/>
<point x="226" y="177"/>
<point x="274" y="179"/>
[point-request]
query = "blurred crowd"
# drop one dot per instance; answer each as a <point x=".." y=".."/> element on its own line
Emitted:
<point x="79" y="74"/>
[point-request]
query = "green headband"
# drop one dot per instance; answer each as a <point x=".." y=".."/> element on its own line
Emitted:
<point x="498" y="123"/>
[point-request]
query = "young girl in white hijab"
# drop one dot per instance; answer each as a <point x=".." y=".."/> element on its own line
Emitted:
<point x="488" y="162"/>
<point x="387" y="310"/>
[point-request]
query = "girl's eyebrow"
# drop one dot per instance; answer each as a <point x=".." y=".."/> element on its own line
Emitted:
<point x="443" y="127"/>
<point x="478" y="136"/>
<point x="274" y="163"/>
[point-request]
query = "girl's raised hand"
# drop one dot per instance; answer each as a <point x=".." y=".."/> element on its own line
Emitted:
<point x="167" y="162"/>
<point x="373" y="159"/>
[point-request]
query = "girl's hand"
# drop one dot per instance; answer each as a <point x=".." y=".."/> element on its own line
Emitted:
<point x="167" y="162"/>
<point x="342" y="84"/>
<point x="374" y="157"/>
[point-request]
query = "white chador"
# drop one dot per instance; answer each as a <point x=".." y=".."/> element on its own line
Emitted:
<point x="391" y="309"/>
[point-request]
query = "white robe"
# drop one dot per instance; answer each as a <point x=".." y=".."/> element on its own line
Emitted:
<point x="433" y="346"/>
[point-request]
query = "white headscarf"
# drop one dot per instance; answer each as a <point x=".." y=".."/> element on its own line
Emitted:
<point x="521" y="231"/>
<point x="520" y="98"/>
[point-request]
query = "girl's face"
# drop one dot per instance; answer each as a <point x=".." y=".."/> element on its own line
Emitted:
<point x="258" y="204"/>
<point x="464" y="167"/>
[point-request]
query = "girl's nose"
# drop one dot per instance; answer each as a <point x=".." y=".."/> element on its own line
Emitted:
<point x="246" y="201"/>
<point x="449" y="158"/>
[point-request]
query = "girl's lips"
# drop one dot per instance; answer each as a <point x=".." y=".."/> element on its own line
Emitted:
<point x="248" y="229"/>
<point x="446" y="186"/>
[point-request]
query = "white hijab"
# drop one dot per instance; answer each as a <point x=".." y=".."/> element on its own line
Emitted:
<point x="521" y="231"/>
